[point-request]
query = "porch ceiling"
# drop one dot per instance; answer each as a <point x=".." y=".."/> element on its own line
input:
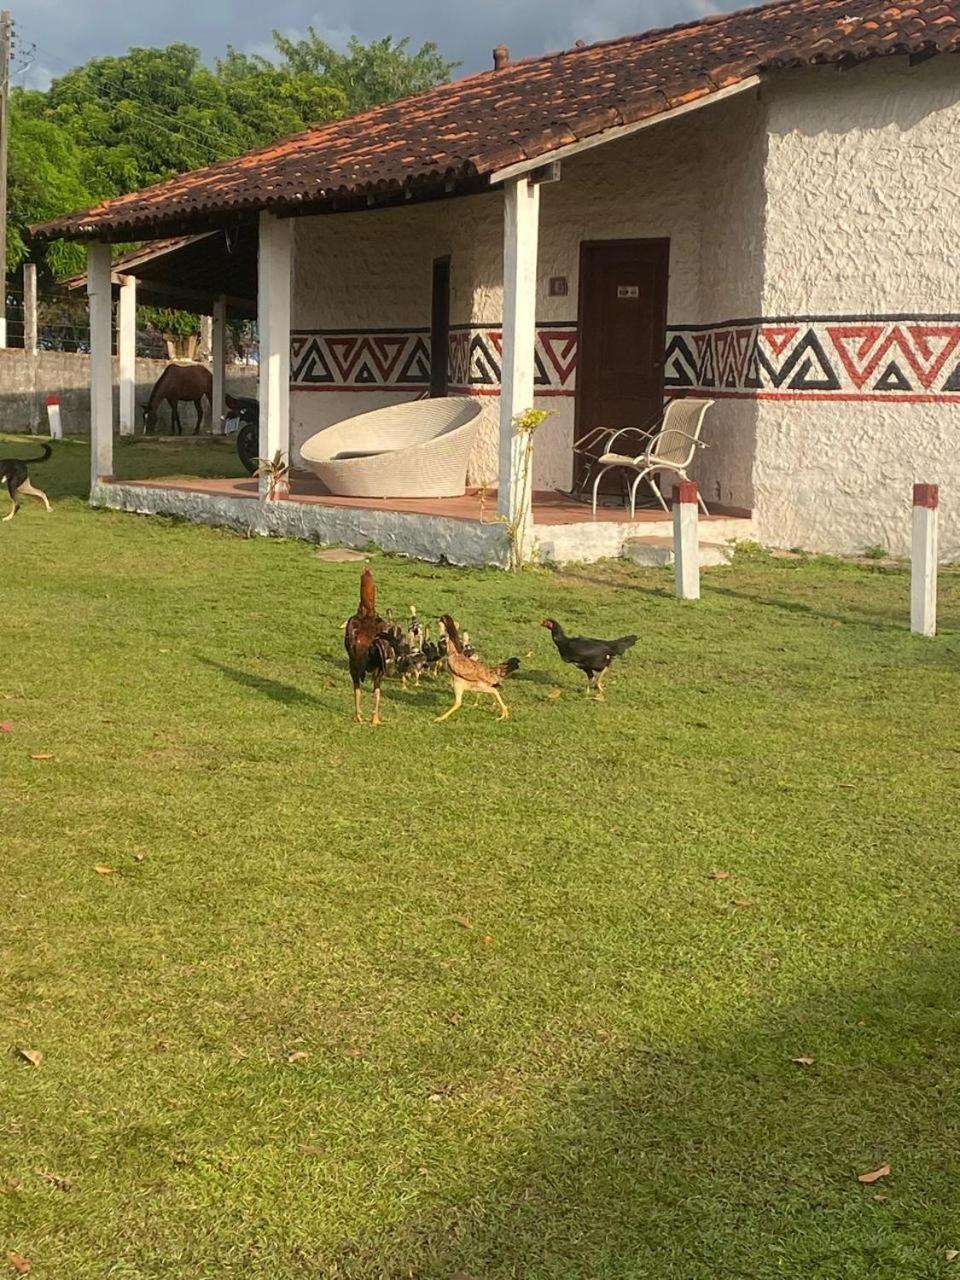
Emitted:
<point x="456" y="137"/>
<point x="191" y="272"/>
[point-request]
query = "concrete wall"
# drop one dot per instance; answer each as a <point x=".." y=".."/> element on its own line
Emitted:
<point x="863" y="235"/>
<point x="26" y="381"/>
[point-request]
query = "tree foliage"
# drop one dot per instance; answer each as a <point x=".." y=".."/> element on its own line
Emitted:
<point x="117" y="124"/>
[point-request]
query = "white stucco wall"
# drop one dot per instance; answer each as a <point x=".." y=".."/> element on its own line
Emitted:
<point x="862" y="219"/>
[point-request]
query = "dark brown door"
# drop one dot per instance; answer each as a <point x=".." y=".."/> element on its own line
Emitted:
<point x="440" y="327"/>
<point x="623" y="324"/>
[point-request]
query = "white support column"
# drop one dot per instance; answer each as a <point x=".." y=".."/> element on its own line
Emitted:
<point x="30" y="308"/>
<point x="273" y="320"/>
<point x="205" y="347"/>
<point x="686" y="541"/>
<point x="127" y="350"/>
<point x="923" y="583"/>
<point x="218" y="360"/>
<point x="101" y="361"/>
<point x="521" y="229"/>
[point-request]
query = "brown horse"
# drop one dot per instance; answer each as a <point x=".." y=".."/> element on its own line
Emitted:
<point x="179" y="382"/>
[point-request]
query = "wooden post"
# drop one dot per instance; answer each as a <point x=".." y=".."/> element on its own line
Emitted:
<point x="923" y="584"/>
<point x="521" y="228"/>
<point x="30" y="308"/>
<point x="218" y="357"/>
<point x="273" y="319"/>
<point x="686" y="541"/>
<point x="55" y="422"/>
<point x="99" y="289"/>
<point x="127" y="350"/>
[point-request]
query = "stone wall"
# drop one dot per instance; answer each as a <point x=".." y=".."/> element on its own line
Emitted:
<point x="26" y="381"/>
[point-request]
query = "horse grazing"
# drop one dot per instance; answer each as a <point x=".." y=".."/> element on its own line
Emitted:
<point x="179" y="382"/>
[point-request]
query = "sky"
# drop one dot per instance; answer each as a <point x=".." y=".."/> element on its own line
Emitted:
<point x="53" y="35"/>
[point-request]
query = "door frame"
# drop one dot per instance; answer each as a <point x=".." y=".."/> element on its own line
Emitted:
<point x="580" y="464"/>
<point x="440" y="327"/>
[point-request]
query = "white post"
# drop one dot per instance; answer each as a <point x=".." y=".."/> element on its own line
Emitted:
<point x="923" y="584"/>
<point x="30" y="308"/>
<point x="205" y="346"/>
<point x="521" y="228"/>
<point x="127" y="350"/>
<point x="54" y="420"/>
<point x="273" y="319"/>
<point x="686" y="541"/>
<point x="218" y="357"/>
<point x="101" y="361"/>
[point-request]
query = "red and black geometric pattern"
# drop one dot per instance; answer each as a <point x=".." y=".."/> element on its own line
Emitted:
<point x="399" y="360"/>
<point x="823" y="357"/>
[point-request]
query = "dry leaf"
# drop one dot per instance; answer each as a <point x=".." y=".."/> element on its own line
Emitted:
<point x="139" y="857"/>
<point x="804" y="1062"/>
<point x="463" y="921"/>
<point x="43" y="755"/>
<point x="8" y="1187"/>
<point x="868" y="1179"/>
<point x="741" y="904"/>
<point x="555" y="693"/>
<point x="55" y="1180"/>
<point x="19" y="1263"/>
<point x="6" y="727"/>
<point x="880" y="1199"/>
<point x="297" y="1056"/>
<point x="33" y="1056"/>
<point x="487" y="939"/>
<point x="105" y="871"/>
<point x="952" y="1255"/>
<point x="717" y="874"/>
<point x="309" y="1150"/>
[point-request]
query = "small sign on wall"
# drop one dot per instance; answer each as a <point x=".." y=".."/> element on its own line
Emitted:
<point x="558" y="287"/>
<point x="628" y="291"/>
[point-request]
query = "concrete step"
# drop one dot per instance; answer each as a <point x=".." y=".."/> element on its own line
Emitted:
<point x="657" y="553"/>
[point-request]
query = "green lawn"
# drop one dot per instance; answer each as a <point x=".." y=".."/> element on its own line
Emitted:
<point x="273" y="1048"/>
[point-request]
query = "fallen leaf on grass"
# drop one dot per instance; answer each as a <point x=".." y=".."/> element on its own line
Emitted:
<point x="19" y="1263"/>
<point x="139" y="857"/>
<point x="33" y="1056"/>
<point x="555" y="693"/>
<point x="55" y="1180"/>
<point x="717" y="874"/>
<point x="463" y="921"/>
<point x="309" y="1150"/>
<point x="880" y="1199"/>
<point x="105" y="871"/>
<point x="487" y="939"/>
<point x="6" y="727"/>
<point x="804" y="1062"/>
<point x="741" y="904"/>
<point x="297" y="1056"/>
<point x="8" y="1187"/>
<point x="868" y="1179"/>
<point x="43" y="755"/>
<point x="952" y="1255"/>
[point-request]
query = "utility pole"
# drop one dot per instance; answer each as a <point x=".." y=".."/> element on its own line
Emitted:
<point x="6" y="41"/>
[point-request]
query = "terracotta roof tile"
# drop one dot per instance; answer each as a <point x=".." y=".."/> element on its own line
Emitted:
<point x="465" y="131"/>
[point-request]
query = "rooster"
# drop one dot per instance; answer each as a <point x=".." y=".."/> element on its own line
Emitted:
<point x="593" y="657"/>
<point x="367" y="643"/>
<point x="470" y="675"/>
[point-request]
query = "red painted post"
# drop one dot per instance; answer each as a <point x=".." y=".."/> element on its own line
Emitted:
<point x="686" y="541"/>
<point x="925" y="555"/>
<point x="53" y="418"/>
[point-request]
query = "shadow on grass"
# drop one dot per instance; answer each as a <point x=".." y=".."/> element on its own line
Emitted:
<point x="287" y="694"/>
<point x="865" y="618"/>
<point x="720" y="1156"/>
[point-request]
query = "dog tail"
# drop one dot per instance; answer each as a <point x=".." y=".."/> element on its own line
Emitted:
<point x="47" y="451"/>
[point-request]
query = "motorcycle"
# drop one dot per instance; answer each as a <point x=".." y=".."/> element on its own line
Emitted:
<point x="243" y="416"/>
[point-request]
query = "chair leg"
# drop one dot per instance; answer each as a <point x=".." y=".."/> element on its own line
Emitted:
<point x="657" y="493"/>
<point x="633" y="494"/>
<point x="596" y="486"/>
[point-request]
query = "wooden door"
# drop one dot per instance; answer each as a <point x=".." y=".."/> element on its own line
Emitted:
<point x="622" y="337"/>
<point x="440" y="327"/>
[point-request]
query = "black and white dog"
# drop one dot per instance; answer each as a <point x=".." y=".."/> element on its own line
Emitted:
<point x="14" y="473"/>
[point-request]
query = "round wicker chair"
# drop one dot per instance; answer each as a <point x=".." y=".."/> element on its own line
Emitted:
<point x="415" y="450"/>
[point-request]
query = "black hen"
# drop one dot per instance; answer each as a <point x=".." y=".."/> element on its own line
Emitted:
<point x="593" y="657"/>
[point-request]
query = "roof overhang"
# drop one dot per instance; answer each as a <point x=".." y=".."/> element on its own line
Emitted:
<point x="614" y="134"/>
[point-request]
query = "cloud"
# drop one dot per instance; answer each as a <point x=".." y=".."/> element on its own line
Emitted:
<point x="67" y="33"/>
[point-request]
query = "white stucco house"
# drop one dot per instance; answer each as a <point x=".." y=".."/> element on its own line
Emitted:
<point x="761" y="207"/>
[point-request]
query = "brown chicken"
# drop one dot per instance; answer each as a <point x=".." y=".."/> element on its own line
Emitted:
<point x="470" y="675"/>
<point x="368" y="646"/>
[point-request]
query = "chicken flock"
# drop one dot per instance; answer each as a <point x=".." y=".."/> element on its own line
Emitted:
<point x="380" y="647"/>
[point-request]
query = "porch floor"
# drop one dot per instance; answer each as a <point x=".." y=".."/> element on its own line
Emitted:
<point x="549" y="507"/>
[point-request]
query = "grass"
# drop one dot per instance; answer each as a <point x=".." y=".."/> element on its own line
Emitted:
<point x="594" y="1080"/>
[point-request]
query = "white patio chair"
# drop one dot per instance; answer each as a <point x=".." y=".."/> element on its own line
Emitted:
<point x="670" y="446"/>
